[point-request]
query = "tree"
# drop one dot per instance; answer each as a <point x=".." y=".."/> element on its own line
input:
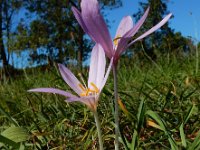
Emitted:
<point x="7" y="9"/>
<point x="55" y="29"/>
<point x="164" y="40"/>
<point x="158" y="9"/>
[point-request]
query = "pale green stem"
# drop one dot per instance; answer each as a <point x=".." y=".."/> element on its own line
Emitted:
<point x="98" y="125"/>
<point x="116" y="115"/>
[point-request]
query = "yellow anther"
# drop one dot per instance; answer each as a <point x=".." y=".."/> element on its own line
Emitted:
<point x="95" y="87"/>
<point x="83" y="94"/>
<point x="116" y="40"/>
<point x="82" y="87"/>
<point x="81" y="77"/>
<point x="87" y="91"/>
<point x="92" y="91"/>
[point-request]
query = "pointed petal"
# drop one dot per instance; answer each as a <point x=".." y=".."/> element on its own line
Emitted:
<point x="125" y="25"/>
<point x="97" y="66"/>
<point x="69" y="78"/>
<point x="135" y="29"/>
<point x="94" y="33"/>
<point x="89" y="7"/>
<point x="74" y="99"/>
<point x="79" y="18"/>
<point x="122" y="45"/>
<point x="96" y="25"/>
<point x="52" y="90"/>
<point x="90" y="101"/>
<point x="156" y="27"/>
<point x="83" y="99"/>
<point x="107" y="74"/>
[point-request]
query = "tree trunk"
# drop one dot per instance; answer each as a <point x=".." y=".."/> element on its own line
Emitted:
<point x="2" y="48"/>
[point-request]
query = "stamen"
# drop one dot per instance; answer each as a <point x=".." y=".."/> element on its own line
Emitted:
<point x="88" y="91"/>
<point x="81" y="77"/>
<point x="82" y="87"/>
<point x="93" y="91"/>
<point x="83" y="94"/>
<point x="95" y="87"/>
<point x="116" y="40"/>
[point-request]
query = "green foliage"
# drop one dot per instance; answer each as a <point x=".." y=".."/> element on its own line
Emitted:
<point x="54" y="29"/>
<point x="7" y="10"/>
<point x="165" y="40"/>
<point x="159" y="108"/>
<point x="16" y="134"/>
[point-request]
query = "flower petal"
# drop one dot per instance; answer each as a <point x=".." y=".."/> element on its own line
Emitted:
<point x="70" y="79"/>
<point x="156" y="27"/>
<point x="74" y="99"/>
<point x="79" y="18"/>
<point x="106" y="75"/>
<point x="97" y="66"/>
<point x="96" y="25"/>
<point x="89" y="7"/>
<point x="122" y="45"/>
<point x="83" y="99"/>
<point x="52" y="90"/>
<point x="135" y="29"/>
<point x="90" y="101"/>
<point x="125" y="25"/>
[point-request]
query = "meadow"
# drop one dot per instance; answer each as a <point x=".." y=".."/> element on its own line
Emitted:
<point x="159" y="108"/>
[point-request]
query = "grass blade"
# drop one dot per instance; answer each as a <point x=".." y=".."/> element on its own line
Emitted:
<point x="196" y="143"/>
<point x="8" y="116"/>
<point x="162" y="125"/>
<point x="182" y="134"/>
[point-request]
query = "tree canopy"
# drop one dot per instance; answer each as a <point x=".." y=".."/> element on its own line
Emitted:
<point x="165" y="40"/>
<point x="49" y="31"/>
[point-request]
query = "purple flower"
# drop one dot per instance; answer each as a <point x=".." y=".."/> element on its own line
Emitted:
<point x="87" y="94"/>
<point x="94" y="25"/>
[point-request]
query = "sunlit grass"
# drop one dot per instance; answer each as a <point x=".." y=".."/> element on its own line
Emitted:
<point x="168" y="88"/>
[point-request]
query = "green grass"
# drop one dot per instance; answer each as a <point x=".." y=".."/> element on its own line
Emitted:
<point x="161" y="101"/>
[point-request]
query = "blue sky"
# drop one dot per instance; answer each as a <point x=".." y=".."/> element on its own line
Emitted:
<point x="186" y="19"/>
<point x="186" y="15"/>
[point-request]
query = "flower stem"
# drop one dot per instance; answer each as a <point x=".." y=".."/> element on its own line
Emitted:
<point x="116" y="115"/>
<point x="98" y="125"/>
